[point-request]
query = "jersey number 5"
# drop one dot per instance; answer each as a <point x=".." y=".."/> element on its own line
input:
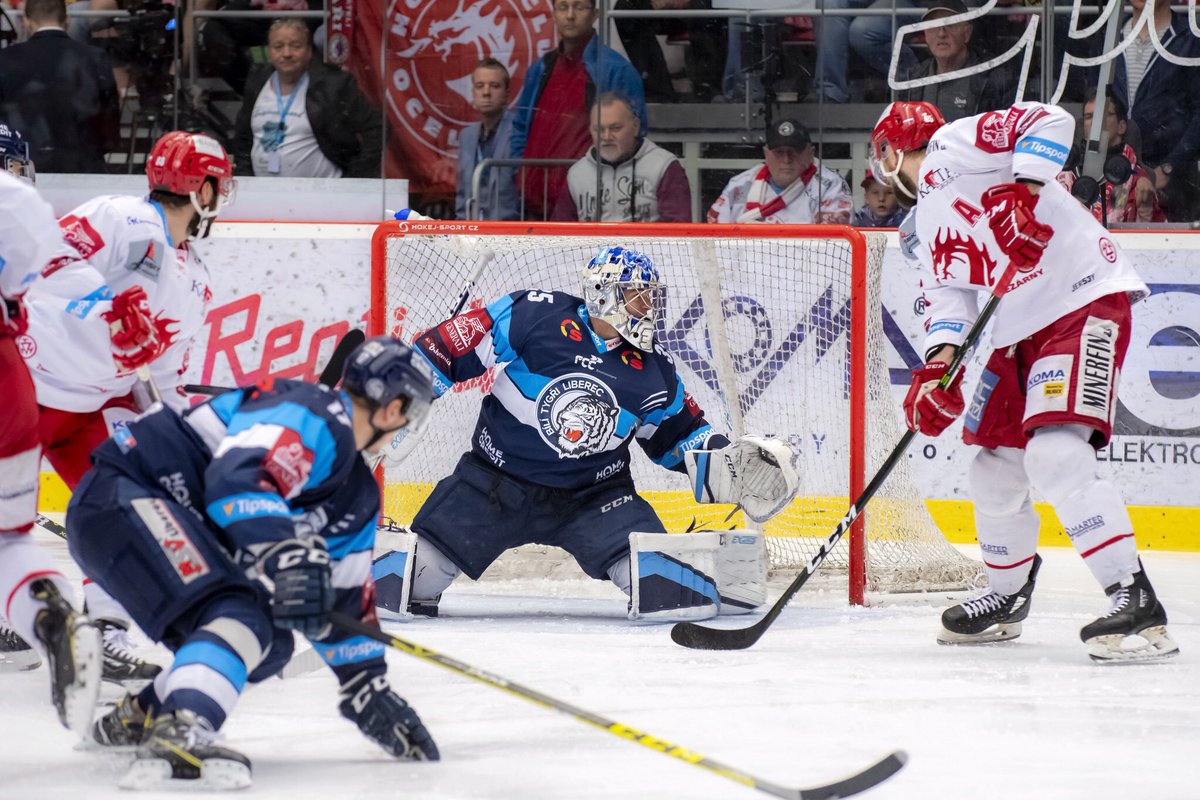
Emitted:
<point x="539" y="297"/>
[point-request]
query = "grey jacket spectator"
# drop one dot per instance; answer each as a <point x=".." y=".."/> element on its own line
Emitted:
<point x="348" y="130"/>
<point x="638" y="180"/>
<point x="59" y="93"/>
<point x="491" y="137"/>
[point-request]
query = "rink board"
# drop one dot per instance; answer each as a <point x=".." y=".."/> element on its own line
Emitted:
<point x="285" y="292"/>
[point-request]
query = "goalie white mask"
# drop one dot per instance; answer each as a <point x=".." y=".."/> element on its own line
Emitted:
<point x="622" y="287"/>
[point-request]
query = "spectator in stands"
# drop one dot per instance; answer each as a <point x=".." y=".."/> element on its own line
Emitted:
<point x="639" y="181"/>
<point x="552" y="112"/>
<point x="1163" y="99"/>
<point x="489" y="138"/>
<point x="870" y="36"/>
<point x="301" y="119"/>
<point x="791" y="186"/>
<point x="950" y="50"/>
<point x="881" y="209"/>
<point x="61" y="94"/>
<point x="1133" y="200"/>
<point x="227" y="45"/>
<point x="704" y="54"/>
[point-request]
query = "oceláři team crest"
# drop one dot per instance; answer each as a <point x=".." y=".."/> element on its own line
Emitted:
<point x="576" y="415"/>
<point x="433" y="47"/>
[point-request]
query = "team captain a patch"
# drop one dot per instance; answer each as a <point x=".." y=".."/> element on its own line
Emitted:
<point x="576" y="415"/>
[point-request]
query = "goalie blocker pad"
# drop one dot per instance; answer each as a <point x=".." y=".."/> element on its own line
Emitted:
<point x="695" y="576"/>
<point x="392" y="572"/>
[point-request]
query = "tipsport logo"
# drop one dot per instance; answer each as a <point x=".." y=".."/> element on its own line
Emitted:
<point x="766" y="348"/>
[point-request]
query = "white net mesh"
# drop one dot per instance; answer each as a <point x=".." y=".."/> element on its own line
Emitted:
<point x="782" y="350"/>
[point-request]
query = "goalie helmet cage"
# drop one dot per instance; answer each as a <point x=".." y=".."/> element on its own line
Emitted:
<point x="798" y="352"/>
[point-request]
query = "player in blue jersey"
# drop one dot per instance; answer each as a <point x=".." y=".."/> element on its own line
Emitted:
<point x="581" y="379"/>
<point x="225" y="529"/>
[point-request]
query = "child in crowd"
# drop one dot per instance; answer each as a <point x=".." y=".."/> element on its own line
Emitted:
<point x="881" y="209"/>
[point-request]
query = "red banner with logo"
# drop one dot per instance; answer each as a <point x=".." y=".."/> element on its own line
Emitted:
<point x="429" y="50"/>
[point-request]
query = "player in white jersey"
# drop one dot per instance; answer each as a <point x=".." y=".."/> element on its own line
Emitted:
<point x="987" y="200"/>
<point x="32" y="590"/>
<point x="130" y="258"/>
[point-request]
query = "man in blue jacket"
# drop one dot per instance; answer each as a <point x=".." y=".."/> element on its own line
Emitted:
<point x="491" y="137"/>
<point x="1163" y="99"/>
<point x="552" y="113"/>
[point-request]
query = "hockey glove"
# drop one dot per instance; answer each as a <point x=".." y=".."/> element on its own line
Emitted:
<point x="758" y="473"/>
<point x="1021" y="237"/>
<point x="927" y="408"/>
<point x="135" y="341"/>
<point x="386" y="719"/>
<point x="303" y="595"/>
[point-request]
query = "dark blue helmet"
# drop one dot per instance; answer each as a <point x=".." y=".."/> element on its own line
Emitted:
<point x="383" y="368"/>
<point x="14" y="153"/>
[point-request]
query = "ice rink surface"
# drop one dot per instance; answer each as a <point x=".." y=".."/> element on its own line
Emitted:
<point x="826" y="691"/>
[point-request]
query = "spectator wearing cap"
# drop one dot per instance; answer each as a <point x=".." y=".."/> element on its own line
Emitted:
<point x="881" y="209"/>
<point x="301" y="119"/>
<point x="552" y="112"/>
<point x="59" y="93"/>
<point x="1163" y="99"/>
<point x="490" y="137"/>
<point x="791" y="186"/>
<point x="951" y="52"/>
<point x="639" y="181"/>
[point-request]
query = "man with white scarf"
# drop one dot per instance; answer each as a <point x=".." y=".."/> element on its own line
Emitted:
<point x="790" y="186"/>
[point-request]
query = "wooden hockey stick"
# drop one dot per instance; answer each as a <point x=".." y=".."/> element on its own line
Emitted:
<point x="700" y="637"/>
<point x="329" y="376"/>
<point x="873" y="775"/>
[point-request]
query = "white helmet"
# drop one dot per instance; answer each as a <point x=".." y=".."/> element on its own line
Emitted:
<point x="608" y="281"/>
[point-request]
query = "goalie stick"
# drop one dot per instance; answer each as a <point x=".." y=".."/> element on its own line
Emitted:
<point x="329" y="376"/>
<point x="865" y="779"/>
<point x="700" y="637"/>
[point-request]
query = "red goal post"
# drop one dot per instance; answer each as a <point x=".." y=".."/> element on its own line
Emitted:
<point x="794" y="353"/>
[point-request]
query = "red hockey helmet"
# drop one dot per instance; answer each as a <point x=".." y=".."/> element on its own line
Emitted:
<point x="902" y="128"/>
<point x="181" y="162"/>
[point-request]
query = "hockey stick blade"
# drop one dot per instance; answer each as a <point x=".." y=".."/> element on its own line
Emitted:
<point x="206" y="388"/>
<point x="700" y="637"/>
<point x="333" y="370"/>
<point x="858" y="782"/>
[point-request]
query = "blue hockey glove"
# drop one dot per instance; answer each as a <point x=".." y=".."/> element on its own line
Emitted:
<point x="303" y="594"/>
<point x="385" y="718"/>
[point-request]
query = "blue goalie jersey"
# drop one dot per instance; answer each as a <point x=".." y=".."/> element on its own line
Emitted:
<point x="565" y="405"/>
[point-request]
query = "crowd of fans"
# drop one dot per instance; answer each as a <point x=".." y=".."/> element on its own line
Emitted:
<point x="581" y="111"/>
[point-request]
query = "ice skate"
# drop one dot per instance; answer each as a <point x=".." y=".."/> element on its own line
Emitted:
<point x="180" y="752"/>
<point x="1135" y="628"/>
<point x="123" y="726"/>
<point x="990" y="618"/>
<point x="16" y="654"/>
<point x="72" y="646"/>
<point x="120" y="664"/>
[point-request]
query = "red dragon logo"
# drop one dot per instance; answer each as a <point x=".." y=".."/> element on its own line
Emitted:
<point x="432" y="53"/>
<point x="950" y="251"/>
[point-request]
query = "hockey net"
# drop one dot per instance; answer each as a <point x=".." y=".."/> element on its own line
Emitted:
<point x="798" y="352"/>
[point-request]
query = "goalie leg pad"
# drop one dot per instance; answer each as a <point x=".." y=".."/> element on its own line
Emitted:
<point x="392" y="570"/>
<point x="741" y="571"/>
<point x="671" y="576"/>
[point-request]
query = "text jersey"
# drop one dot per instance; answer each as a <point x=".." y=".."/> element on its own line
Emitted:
<point x="29" y="235"/>
<point x="966" y="158"/>
<point x="261" y="465"/>
<point x="564" y="407"/>
<point x="111" y="244"/>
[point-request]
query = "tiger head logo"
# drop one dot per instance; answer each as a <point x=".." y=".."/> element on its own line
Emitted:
<point x="584" y="425"/>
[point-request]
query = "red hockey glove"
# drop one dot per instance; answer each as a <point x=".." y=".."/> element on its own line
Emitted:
<point x="135" y="339"/>
<point x="15" y="321"/>
<point x="927" y="408"/>
<point x="1021" y="237"/>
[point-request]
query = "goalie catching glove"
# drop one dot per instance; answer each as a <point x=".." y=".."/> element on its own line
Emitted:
<point x="758" y="474"/>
